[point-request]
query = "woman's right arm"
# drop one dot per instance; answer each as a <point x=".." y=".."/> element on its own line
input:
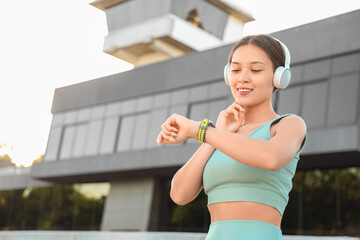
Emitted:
<point x="187" y="181"/>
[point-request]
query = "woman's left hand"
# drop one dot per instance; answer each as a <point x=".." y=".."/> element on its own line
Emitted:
<point x="177" y="129"/>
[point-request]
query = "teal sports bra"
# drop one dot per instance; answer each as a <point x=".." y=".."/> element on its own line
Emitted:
<point x="227" y="180"/>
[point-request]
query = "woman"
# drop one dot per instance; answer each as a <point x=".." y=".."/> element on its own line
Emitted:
<point x="246" y="162"/>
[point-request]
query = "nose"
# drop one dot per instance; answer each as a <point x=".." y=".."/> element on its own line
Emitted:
<point x="244" y="76"/>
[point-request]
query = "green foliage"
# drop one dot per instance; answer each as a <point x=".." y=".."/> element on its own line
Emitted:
<point x="324" y="202"/>
<point x="60" y="207"/>
<point x="192" y="217"/>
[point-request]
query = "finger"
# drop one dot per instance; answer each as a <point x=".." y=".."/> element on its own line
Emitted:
<point x="159" y="138"/>
<point x="236" y="106"/>
<point x="167" y="137"/>
<point x="166" y="131"/>
<point x="172" y="128"/>
<point x="169" y="127"/>
<point x="239" y="107"/>
<point x="236" y="114"/>
<point x="225" y="113"/>
<point x="169" y="123"/>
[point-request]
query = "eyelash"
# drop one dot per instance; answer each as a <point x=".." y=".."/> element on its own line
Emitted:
<point x="256" y="71"/>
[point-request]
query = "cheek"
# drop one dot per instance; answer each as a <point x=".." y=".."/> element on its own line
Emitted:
<point x="267" y="79"/>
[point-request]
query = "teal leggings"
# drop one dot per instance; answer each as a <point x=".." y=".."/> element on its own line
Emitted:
<point x="243" y="230"/>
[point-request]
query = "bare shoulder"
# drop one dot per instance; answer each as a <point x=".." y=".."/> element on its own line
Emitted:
<point x="295" y="121"/>
<point x="291" y="123"/>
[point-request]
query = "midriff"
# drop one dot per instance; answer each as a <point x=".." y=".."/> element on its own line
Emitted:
<point x="244" y="210"/>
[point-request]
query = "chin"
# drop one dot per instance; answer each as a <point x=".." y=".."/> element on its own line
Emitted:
<point x="241" y="102"/>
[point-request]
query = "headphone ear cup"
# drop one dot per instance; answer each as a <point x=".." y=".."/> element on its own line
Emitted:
<point x="282" y="77"/>
<point x="227" y="74"/>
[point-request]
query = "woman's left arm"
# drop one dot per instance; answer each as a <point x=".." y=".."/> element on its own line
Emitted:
<point x="269" y="155"/>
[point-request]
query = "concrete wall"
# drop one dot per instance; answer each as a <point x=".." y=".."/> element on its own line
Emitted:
<point x="18" y="178"/>
<point x="128" y="205"/>
<point x="129" y="13"/>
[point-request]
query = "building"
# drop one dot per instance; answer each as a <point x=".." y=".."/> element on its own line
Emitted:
<point x="104" y="130"/>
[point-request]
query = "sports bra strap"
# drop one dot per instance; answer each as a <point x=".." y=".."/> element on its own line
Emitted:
<point x="287" y="114"/>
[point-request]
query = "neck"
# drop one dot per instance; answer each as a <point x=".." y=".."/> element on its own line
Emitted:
<point x="259" y="113"/>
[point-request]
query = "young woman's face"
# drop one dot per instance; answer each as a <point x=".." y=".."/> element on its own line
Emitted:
<point x="251" y="68"/>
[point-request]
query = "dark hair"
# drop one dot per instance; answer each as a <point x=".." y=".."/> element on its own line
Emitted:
<point x="267" y="43"/>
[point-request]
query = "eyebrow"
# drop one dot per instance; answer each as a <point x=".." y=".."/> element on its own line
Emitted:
<point x="250" y="63"/>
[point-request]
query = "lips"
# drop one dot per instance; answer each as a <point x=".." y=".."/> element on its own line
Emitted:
<point x="244" y="91"/>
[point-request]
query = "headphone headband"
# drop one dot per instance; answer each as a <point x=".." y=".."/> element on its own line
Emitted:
<point x="287" y="53"/>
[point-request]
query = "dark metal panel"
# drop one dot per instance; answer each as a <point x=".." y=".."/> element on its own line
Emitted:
<point x="323" y="38"/>
<point x="329" y="160"/>
<point x="20" y="181"/>
<point x="158" y="77"/>
<point x="343" y="100"/>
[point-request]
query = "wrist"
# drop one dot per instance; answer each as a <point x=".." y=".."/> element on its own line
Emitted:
<point x="194" y="129"/>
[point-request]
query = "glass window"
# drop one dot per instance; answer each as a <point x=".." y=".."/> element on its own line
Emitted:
<point x="157" y="118"/>
<point x="315" y="104"/>
<point x="93" y="139"/>
<point x="80" y="140"/>
<point x="199" y="93"/>
<point x="53" y="144"/>
<point x="67" y="142"/>
<point x="162" y="99"/>
<point x="70" y="117"/>
<point x="289" y="100"/>
<point x="141" y="131"/>
<point x="343" y="100"/>
<point x="215" y="107"/>
<point x="84" y="115"/>
<point x="345" y="64"/>
<point x="219" y="89"/>
<point x="107" y="144"/>
<point x="296" y="74"/>
<point x="198" y="111"/>
<point x="144" y="103"/>
<point x="113" y="109"/>
<point x="57" y="119"/>
<point x="125" y="133"/>
<point x="128" y="106"/>
<point x="179" y="109"/>
<point x="317" y="70"/>
<point x="179" y="96"/>
<point x="97" y="112"/>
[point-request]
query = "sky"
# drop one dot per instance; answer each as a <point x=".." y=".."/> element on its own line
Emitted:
<point x="47" y="44"/>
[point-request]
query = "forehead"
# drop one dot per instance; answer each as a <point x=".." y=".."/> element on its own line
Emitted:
<point x="250" y="53"/>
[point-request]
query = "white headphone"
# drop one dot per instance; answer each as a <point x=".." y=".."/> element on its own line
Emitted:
<point x="282" y="74"/>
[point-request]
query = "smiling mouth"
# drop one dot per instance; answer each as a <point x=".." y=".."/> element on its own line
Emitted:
<point x="244" y="91"/>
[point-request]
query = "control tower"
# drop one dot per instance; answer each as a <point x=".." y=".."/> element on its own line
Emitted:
<point x="142" y="31"/>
